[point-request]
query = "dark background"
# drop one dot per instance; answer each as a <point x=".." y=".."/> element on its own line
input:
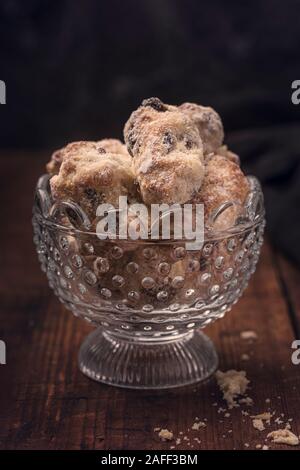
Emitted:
<point x="76" y="69"/>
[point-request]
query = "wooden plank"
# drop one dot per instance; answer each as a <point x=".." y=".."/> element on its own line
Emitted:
<point x="289" y="278"/>
<point x="46" y="403"/>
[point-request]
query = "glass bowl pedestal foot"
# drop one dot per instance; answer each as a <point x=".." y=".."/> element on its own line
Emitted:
<point x="152" y="363"/>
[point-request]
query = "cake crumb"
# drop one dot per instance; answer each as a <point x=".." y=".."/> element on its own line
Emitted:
<point x="245" y="357"/>
<point x="278" y="421"/>
<point x="227" y="415"/>
<point x="165" y="435"/>
<point x="283" y="436"/>
<point x="197" y="425"/>
<point x="264" y="447"/>
<point x="246" y="444"/>
<point x="246" y="401"/>
<point x="249" y="334"/>
<point x="221" y="410"/>
<point x="232" y="383"/>
<point x="258" y="424"/>
<point x="263" y="416"/>
<point x="267" y="400"/>
<point x="258" y="446"/>
<point x="178" y="441"/>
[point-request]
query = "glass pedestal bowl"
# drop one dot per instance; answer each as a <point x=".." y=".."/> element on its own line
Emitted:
<point x="148" y="300"/>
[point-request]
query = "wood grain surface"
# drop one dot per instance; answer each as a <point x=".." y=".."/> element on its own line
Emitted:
<point x="46" y="403"/>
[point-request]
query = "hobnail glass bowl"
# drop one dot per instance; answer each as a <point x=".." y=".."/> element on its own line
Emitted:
<point x="148" y="300"/>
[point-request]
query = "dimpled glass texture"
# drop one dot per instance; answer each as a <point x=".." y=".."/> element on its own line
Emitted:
<point x="149" y="301"/>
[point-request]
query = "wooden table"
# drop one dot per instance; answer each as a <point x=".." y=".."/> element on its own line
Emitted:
<point x="46" y="403"/>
